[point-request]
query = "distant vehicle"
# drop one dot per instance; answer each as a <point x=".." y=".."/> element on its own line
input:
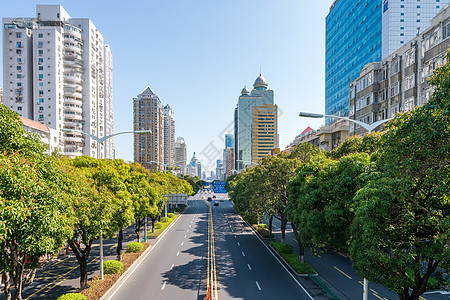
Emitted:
<point x="216" y="203"/>
<point x="209" y="198"/>
<point x="214" y="197"/>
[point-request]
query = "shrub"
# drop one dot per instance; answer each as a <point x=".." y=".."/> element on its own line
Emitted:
<point x="158" y="225"/>
<point x="171" y="215"/>
<point x="262" y="226"/>
<point x="287" y="252"/>
<point x="180" y="207"/>
<point x="134" y="247"/>
<point x="72" y="296"/>
<point x="164" y="219"/>
<point x="112" y="267"/>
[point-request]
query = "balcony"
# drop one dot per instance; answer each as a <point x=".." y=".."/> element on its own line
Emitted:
<point x="73" y="139"/>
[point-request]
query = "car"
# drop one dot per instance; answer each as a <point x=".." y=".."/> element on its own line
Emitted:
<point x="214" y="197"/>
<point x="216" y="203"/>
<point x="209" y="198"/>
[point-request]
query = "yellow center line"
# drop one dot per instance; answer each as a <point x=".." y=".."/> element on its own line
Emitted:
<point x="342" y="273"/>
<point x="374" y="291"/>
<point x="422" y="298"/>
<point x="63" y="276"/>
<point x="377" y="296"/>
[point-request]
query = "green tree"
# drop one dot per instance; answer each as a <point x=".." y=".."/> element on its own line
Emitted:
<point x="402" y="222"/>
<point x="93" y="208"/>
<point x="321" y="201"/>
<point x="35" y="218"/>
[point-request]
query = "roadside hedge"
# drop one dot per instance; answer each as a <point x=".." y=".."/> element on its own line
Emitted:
<point x="134" y="247"/>
<point x="112" y="266"/>
<point x="72" y="296"/>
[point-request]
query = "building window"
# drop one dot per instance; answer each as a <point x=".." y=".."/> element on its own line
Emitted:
<point x="19" y="75"/>
<point x="41" y="76"/>
<point x="19" y="68"/>
<point x="41" y="68"/>
<point x="41" y="52"/>
<point x="19" y="84"/>
<point x="40" y="35"/>
<point x="41" y="100"/>
<point x="19" y="108"/>
<point x="18" y="35"/>
<point x="19" y="60"/>
<point x="19" y="45"/>
<point x="41" y="93"/>
<point x="41" y="117"/>
<point x="18" y="51"/>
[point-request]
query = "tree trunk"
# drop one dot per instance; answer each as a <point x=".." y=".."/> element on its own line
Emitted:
<point x="120" y="245"/>
<point x="137" y="228"/>
<point x="6" y="285"/>
<point x="283" y="228"/>
<point x="82" y="258"/>
<point x="270" y="224"/>
<point x="153" y="224"/>
<point x="19" y="262"/>
<point x="301" y="249"/>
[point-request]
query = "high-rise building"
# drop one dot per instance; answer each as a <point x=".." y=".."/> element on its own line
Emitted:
<point x="168" y="136"/>
<point x="53" y="73"/>
<point x="357" y="34"/>
<point x="228" y="162"/>
<point x="399" y="82"/>
<point x="180" y="153"/>
<point x="148" y="148"/>
<point x="109" y="113"/>
<point x="1" y="95"/>
<point x="264" y="130"/>
<point x="252" y="108"/>
<point x="219" y="170"/>
<point x="229" y="141"/>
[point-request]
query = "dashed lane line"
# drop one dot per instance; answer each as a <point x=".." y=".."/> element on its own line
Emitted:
<point x="342" y="273"/>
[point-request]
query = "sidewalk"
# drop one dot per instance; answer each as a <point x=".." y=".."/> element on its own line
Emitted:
<point x="62" y="275"/>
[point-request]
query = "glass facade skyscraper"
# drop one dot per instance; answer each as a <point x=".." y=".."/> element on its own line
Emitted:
<point x="353" y="39"/>
<point x="360" y="32"/>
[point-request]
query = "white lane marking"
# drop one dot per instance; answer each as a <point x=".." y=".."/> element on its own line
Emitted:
<point x="243" y="254"/>
<point x="140" y="259"/>
<point x="238" y="243"/>
<point x="250" y="268"/>
<point x="187" y="230"/>
<point x="257" y="285"/>
<point x="171" y="267"/>
<point x="234" y="236"/>
<point x="164" y="285"/>
<point x="190" y="226"/>
<point x="185" y="236"/>
<point x="178" y="253"/>
<point x="182" y="243"/>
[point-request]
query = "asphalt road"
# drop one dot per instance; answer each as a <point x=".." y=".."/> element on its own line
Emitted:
<point x="246" y="269"/>
<point x="336" y="271"/>
<point x="175" y="268"/>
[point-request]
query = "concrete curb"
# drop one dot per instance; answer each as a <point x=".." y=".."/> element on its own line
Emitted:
<point x="137" y="262"/>
<point x="288" y="265"/>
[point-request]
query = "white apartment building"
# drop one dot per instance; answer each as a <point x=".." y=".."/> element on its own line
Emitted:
<point x="181" y="154"/>
<point x="168" y="136"/>
<point x="402" y="20"/>
<point x="54" y="73"/>
<point x="109" y="113"/>
<point x="48" y="136"/>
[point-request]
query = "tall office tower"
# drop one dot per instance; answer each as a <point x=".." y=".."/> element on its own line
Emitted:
<point x="219" y="170"/>
<point x="148" y="149"/>
<point x="109" y="113"/>
<point x="228" y="162"/>
<point x="168" y="136"/>
<point x="180" y="153"/>
<point x="403" y="20"/>
<point x="246" y="123"/>
<point x="264" y="130"/>
<point x="53" y="74"/>
<point x="358" y="34"/>
<point x="236" y="136"/>
<point x="229" y="141"/>
<point x="1" y="95"/>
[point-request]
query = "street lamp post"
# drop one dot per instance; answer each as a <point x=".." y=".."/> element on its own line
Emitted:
<point x="369" y="128"/>
<point x="100" y="141"/>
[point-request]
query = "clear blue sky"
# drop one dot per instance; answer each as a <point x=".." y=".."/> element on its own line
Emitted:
<point x="197" y="55"/>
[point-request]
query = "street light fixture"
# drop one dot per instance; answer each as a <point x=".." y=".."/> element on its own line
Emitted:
<point x="368" y="127"/>
<point x="99" y="141"/>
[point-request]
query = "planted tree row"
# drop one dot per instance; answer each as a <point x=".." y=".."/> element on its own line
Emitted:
<point x="383" y="198"/>
<point x="48" y="201"/>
